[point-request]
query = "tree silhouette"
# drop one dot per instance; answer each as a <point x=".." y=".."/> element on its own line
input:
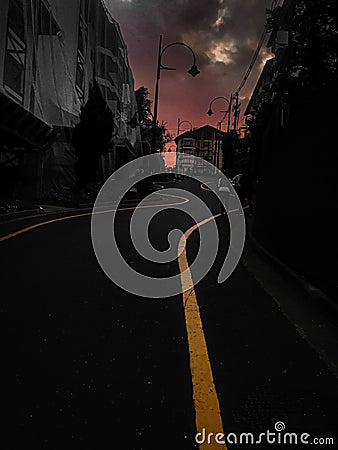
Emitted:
<point x="92" y="135"/>
<point x="146" y="122"/>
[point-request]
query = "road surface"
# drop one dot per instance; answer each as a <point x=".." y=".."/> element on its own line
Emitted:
<point x="87" y="365"/>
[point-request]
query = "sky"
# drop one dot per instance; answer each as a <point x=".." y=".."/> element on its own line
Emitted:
<point x="223" y="35"/>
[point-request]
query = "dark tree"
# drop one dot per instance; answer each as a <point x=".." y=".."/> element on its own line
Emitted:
<point x="311" y="58"/>
<point x="314" y="41"/>
<point x="143" y="106"/>
<point x="92" y="135"/>
<point x="146" y="122"/>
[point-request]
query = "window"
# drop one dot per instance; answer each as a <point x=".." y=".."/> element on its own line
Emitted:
<point x="81" y="56"/>
<point x="80" y="76"/>
<point x="14" y="71"/>
<point x="112" y="39"/>
<point x="14" y="76"/>
<point x="46" y="23"/>
<point x="112" y="66"/>
<point x="16" y="19"/>
<point x="110" y="95"/>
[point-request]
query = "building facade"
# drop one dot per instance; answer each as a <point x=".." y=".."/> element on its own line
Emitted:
<point x="290" y="117"/>
<point x="204" y="142"/>
<point x="50" y="53"/>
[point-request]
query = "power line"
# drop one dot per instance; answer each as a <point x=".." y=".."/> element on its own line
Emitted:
<point x="253" y="61"/>
<point x="274" y="4"/>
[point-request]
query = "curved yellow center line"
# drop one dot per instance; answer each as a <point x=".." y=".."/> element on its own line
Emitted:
<point x="208" y="415"/>
<point x="207" y="410"/>
<point x="75" y="216"/>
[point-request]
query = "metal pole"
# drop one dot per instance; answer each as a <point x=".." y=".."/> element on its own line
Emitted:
<point x="178" y="126"/>
<point x="158" y="74"/>
<point x="236" y="113"/>
<point x="229" y="114"/>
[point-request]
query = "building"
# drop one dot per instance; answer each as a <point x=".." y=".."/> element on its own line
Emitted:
<point x="204" y="142"/>
<point x="290" y="117"/>
<point x="50" y="53"/>
<point x="267" y="89"/>
<point x="262" y="92"/>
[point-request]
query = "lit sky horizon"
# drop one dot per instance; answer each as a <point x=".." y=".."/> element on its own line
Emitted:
<point x="223" y="35"/>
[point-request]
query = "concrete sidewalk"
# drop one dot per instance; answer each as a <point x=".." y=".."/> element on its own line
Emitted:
<point x="317" y="296"/>
<point x="314" y="314"/>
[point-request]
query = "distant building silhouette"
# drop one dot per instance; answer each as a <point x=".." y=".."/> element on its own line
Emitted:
<point x="205" y="142"/>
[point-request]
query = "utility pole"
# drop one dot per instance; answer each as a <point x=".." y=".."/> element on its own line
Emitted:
<point x="236" y="112"/>
<point x="158" y="74"/>
<point x="229" y="115"/>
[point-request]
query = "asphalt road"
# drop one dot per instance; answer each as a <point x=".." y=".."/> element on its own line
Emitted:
<point x="87" y="365"/>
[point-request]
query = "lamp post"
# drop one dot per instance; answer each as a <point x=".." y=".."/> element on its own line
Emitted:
<point x="219" y="125"/>
<point x="179" y="123"/>
<point x="193" y="71"/>
<point x="236" y="111"/>
<point x="210" y="111"/>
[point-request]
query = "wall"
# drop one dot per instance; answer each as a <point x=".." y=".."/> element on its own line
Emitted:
<point x="297" y="195"/>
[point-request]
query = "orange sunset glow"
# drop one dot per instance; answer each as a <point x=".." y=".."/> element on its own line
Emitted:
<point x="222" y="44"/>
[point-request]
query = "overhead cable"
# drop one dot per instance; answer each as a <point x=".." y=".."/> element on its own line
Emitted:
<point x="252" y="63"/>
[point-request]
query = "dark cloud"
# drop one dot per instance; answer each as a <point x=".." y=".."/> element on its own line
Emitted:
<point x="223" y="35"/>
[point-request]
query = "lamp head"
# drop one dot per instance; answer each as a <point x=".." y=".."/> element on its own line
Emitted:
<point x="210" y="112"/>
<point x="194" y="71"/>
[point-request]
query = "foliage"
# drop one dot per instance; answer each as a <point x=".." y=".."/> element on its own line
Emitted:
<point x="92" y="135"/>
<point x="143" y="106"/>
<point x="273" y="18"/>
<point x="313" y="52"/>
<point x="146" y="122"/>
<point x="310" y="61"/>
<point x="307" y="68"/>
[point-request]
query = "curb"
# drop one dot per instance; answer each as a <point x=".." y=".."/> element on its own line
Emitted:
<point x="319" y="299"/>
<point x="12" y="217"/>
<point x="26" y="215"/>
<point x="127" y="202"/>
<point x="38" y="213"/>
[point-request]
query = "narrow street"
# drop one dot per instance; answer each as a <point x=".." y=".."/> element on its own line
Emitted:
<point x="87" y="364"/>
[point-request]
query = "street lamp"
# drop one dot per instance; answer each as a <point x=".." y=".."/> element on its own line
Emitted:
<point x="210" y="111"/>
<point x="219" y="125"/>
<point x="193" y="71"/>
<point x="179" y="123"/>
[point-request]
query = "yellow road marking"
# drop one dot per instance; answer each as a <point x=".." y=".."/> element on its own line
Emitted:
<point x="75" y="216"/>
<point x="205" y="398"/>
<point x="207" y="410"/>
